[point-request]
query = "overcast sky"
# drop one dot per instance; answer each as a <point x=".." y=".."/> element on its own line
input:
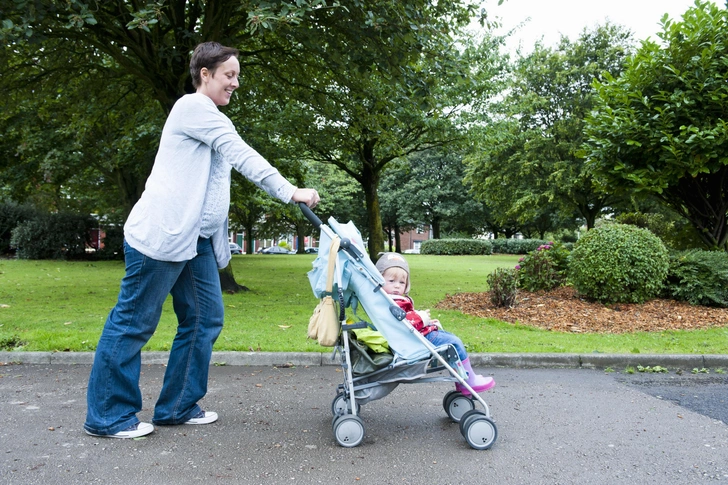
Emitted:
<point x="551" y="18"/>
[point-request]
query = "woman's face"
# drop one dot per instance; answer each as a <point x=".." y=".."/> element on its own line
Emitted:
<point x="219" y="86"/>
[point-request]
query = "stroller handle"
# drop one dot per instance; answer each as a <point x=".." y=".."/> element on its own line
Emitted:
<point x="310" y="215"/>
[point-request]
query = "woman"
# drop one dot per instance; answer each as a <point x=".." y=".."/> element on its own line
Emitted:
<point x="176" y="238"/>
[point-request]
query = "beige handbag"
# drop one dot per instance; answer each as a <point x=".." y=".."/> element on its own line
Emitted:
<point x="324" y="324"/>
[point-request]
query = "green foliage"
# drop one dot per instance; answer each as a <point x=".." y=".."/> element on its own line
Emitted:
<point x="503" y="283"/>
<point x="456" y="247"/>
<point x="11" y="343"/>
<point x="544" y="268"/>
<point x="429" y="190"/>
<point x="113" y="243"/>
<point x="10" y="216"/>
<point x="617" y="263"/>
<point x="674" y="231"/>
<point x="515" y="246"/>
<point x="657" y="369"/>
<point x="355" y="85"/>
<point x="661" y="126"/>
<point x="53" y="236"/>
<point x="527" y="163"/>
<point x="699" y="277"/>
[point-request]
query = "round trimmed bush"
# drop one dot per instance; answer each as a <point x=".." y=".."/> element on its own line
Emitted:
<point x="618" y="263"/>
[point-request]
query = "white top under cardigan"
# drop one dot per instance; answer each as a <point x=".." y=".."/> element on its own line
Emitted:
<point x="165" y="223"/>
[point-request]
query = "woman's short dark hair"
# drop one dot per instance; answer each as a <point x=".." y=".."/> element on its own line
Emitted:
<point x="209" y="55"/>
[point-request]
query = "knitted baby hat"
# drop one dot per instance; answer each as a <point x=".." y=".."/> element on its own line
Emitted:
<point x="393" y="260"/>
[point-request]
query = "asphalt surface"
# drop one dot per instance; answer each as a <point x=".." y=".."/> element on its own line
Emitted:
<point x="558" y="424"/>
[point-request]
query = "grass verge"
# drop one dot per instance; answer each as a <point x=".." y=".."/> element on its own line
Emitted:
<point x="62" y="306"/>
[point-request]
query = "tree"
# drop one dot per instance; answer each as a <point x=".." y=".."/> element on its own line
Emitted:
<point x="375" y="62"/>
<point x="103" y="134"/>
<point x="662" y="126"/>
<point x="361" y="119"/>
<point x="140" y="51"/>
<point x="69" y="141"/>
<point x="429" y="190"/>
<point x="529" y="157"/>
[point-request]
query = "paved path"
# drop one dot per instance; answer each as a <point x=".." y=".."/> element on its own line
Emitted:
<point x="556" y="426"/>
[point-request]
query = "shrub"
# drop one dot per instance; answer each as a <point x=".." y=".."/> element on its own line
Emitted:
<point x="698" y="277"/>
<point x="53" y="236"/>
<point x="503" y="287"/>
<point x="543" y="269"/>
<point x="516" y="246"/>
<point x="113" y="243"/>
<point x="10" y="216"/>
<point x="675" y="233"/>
<point x="456" y="246"/>
<point x="617" y="263"/>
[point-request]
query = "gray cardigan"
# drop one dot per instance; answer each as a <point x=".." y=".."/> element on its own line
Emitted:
<point x="165" y="223"/>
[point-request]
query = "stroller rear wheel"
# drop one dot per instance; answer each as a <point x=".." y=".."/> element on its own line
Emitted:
<point x="478" y="429"/>
<point x="348" y="430"/>
<point x="456" y="404"/>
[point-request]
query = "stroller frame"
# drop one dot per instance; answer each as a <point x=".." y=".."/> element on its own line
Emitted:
<point x="477" y="426"/>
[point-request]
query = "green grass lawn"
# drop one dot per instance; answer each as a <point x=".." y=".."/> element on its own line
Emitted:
<point x="62" y="306"/>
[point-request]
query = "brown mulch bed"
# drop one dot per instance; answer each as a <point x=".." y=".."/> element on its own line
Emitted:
<point x="563" y="310"/>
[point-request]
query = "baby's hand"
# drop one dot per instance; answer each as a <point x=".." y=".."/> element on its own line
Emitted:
<point x="436" y="322"/>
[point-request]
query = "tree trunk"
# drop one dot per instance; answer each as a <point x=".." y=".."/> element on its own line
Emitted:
<point x="436" y="228"/>
<point x="301" y="236"/>
<point x="249" y="239"/>
<point x="227" y="281"/>
<point x="703" y="201"/>
<point x="389" y="239"/>
<point x="370" y="183"/>
<point x="397" y="239"/>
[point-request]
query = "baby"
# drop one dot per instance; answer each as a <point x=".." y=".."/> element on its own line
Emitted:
<point x="395" y="270"/>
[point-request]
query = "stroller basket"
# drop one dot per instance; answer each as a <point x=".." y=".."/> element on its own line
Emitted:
<point x="368" y="375"/>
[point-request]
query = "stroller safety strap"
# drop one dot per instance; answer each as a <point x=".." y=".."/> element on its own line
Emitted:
<point x="332" y="266"/>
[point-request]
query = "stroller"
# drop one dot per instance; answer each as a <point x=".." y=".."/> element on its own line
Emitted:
<point x="369" y="375"/>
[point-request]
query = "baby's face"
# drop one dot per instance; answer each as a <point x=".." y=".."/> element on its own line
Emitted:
<point x="394" y="284"/>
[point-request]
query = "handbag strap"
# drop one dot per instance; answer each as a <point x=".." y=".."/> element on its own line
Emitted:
<point x="333" y="250"/>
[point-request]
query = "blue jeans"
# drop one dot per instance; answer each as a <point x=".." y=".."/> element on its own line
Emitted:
<point x="441" y="337"/>
<point x="113" y="395"/>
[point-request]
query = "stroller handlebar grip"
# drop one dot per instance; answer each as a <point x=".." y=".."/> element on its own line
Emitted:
<point x="310" y="215"/>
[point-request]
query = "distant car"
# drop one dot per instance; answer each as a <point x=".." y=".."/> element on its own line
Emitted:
<point x="311" y="250"/>
<point x="235" y="249"/>
<point x="276" y="250"/>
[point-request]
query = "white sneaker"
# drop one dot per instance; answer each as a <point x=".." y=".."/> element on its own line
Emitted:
<point x="134" y="431"/>
<point x="203" y="417"/>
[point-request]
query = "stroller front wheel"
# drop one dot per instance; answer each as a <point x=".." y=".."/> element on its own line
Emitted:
<point x="478" y="430"/>
<point x="348" y="430"/>
<point x="341" y="405"/>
